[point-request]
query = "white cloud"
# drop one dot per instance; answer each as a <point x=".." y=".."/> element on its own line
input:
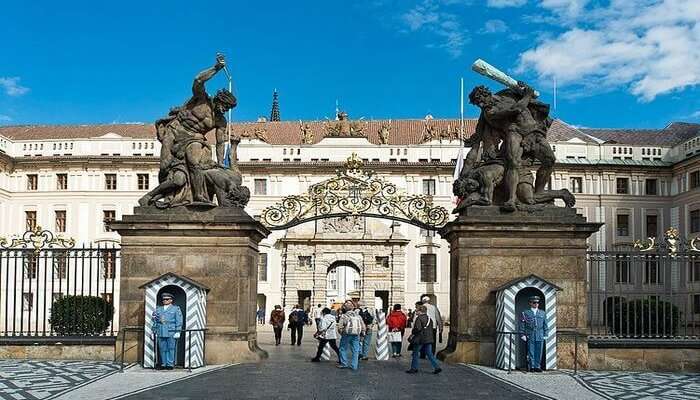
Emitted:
<point x="505" y="3"/>
<point x="429" y="16"/>
<point x="12" y="87"/>
<point x="696" y="114"/>
<point x="494" y="26"/>
<point x="649" y="47"/>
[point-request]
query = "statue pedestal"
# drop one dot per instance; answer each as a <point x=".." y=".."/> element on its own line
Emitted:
<point x="488" y="249"/>
<point x="217" y="247"/>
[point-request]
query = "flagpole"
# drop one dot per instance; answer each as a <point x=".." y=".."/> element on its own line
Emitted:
<point x="461" y="110"/>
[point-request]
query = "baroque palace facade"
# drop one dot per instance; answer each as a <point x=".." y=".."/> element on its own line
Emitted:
<point x="71" y="179"/>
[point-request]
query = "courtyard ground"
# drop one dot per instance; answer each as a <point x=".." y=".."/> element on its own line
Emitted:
<point x="288" y="374"/>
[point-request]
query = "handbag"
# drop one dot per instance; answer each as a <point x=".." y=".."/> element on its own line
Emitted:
<point x="394" y="337"/>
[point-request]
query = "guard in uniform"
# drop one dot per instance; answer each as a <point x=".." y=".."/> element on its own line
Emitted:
<point x="167" y="321"/>
<point x="533" y="330"/>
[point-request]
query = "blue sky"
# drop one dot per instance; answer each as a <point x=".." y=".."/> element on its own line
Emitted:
<point x="618" y="63"/>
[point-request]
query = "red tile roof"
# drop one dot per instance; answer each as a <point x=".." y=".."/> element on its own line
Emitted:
<point x="673" y="134"/>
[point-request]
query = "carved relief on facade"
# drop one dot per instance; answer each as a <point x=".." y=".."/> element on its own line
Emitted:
<point x="349" y="224"/>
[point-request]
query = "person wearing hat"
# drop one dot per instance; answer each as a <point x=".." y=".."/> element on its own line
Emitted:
<point x="533" y="331"/>
<point x="434" y="315"/>
<point x="167" y="320"/>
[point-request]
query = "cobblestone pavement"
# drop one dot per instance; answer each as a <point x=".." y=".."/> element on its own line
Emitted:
<point x="642" y="385"/>
<point x="31" y="380"/>
<point x="288" y="374"/>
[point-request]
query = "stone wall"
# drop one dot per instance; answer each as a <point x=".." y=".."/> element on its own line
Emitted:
<point x="99" y="352"/>
<point x="626" y="359"/>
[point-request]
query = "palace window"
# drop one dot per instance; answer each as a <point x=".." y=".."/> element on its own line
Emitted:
<point x="428" y="268"/>
<point x="623" y="225"/>
<point x="27" y="301"/>
<point x="622" y="269"/>
<point x="305" y="262"/>
<point x="652" y="271"/>
<point x="59" y="265"/>
<point x="108" y="271"/>
<point x="651" y="187"/>
<point x="427" y="232"/>
<point x="142" y="181"/>
<point x="429" y="187"/>
<point x="333" y="279"/>
<point x="61" y="181"/>
<point x="260" y="186"/>
<point x="694" y="271"/>
<point x="696" y="304"/>
<point x="110" y="181"/>
<point x="576" y="184"/>
<point x="108" y="297"/>
<point x="60" y="220"/>
<point x="262" y="267"/>
<point x="382" y="262"/>
<point x="32" y="182"/>
<point x="695" y="221"/>
<point x="652" y="225"/>
<point x="30" y="266"/>
<point x="623" y="186"/>
<point x="107" y="217"/>
<point x="694" y="179"/>
<point x="30" y="218"/>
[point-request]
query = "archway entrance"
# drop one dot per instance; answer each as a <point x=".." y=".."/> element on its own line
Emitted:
<point x="343" y="282"/>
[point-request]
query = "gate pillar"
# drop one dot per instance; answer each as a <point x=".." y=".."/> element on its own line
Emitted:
<point x="217" y="247"/>
<point x="489" y="248"/>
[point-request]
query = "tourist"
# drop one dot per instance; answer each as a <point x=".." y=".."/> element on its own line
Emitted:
<point x="434" y="314"/>
<point x="261" y="316"/>
<point x="297" y="319"/>
<point x="396" y="323"/>
<point x="317" y="315"/>
<point x="327" y="334"/>
<point x="277" y="321"/>
<point x="533" y="331"/>
<point x="366" y="341"/>
<point x="351" y="329"/>
<point x="422" y="338"/>
<point x="167" y="323"/>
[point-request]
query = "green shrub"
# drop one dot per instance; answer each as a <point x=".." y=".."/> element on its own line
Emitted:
<point x="643" y="317"/>
<point x="81" y="315"/>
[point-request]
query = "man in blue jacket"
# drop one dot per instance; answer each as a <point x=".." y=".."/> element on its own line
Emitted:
<point x="533" y="330"/>
<point x="167" y="321"/>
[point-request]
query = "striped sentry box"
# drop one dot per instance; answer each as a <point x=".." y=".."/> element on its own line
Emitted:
<point x="507" y="321"/>
<point x="382" y="337"/>
<point x="326" y="355"/>
<point x="195" y="318"/>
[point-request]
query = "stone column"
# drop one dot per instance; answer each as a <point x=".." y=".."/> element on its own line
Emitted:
<point x="217" y="247"/>
<point x="489" y="248"/>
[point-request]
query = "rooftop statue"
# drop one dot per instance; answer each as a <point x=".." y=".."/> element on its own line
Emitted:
<point x="188" y="174"/>
<point x="510" y="139"/>
<point x="343" y="127"/>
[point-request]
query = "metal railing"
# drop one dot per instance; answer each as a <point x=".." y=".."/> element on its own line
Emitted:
<point x="642" y="295"/>
<point x="33" y="279"/>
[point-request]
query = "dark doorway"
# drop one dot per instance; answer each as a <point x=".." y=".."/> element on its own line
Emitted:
<point x="304" y="299"/>
<point x="384" y="296"/>
<point x="521" y="304"/>
<point x="180" y="301"/>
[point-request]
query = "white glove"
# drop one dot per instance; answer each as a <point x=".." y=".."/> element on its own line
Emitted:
<point x="176" y="335"/>
<point x="524" y="338"/>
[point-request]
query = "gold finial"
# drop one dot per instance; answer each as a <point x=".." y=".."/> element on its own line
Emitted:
<point x="353" y="163"/>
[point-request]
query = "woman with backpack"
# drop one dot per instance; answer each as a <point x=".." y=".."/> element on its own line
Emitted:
<point x="277" y="322"/>
<point x="396" y="322"/>
<point x="422" y="337"/>
<point x="351" y="329"/>
<point x="327" y="334"/>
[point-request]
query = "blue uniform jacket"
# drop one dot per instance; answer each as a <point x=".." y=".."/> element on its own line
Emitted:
<point x="167" y="322"/>
<point x="533" y="325"/>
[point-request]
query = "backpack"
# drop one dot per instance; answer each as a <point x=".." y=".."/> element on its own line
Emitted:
<point x="354" y="325"/>
<point x="367" y="317"/>
<point x="294" y="318"/>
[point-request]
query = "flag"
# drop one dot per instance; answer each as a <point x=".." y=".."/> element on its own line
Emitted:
<point x="227" y="157"/>
<point x="458" y="169"/>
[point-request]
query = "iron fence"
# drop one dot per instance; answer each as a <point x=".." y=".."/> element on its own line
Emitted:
<point x="648" y="290"/>
<point x="49" y="288"/>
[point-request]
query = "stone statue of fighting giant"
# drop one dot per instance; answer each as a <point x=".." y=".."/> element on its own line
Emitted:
<point x="510" y="138"/>
<point x="188" y="175"/>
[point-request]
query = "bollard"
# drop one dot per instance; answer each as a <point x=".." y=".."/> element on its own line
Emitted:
<point x="382" y="337"/>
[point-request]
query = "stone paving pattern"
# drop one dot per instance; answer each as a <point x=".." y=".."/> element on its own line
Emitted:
<point x="31" y="380"/>
<point x="642" y="385"/>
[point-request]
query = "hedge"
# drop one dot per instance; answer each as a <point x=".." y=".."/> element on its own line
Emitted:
<point x="81" y="315"/>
